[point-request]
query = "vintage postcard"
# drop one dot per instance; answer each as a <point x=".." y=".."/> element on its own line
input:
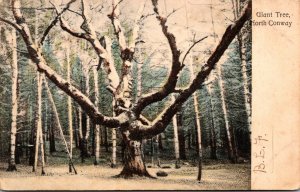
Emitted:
<point x="149" y="94"/>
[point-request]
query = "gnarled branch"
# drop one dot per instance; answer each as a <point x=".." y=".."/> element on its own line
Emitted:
<point x="140" y="131"/>
<point x="72" y="91"/>
<point x="170" y="84"/>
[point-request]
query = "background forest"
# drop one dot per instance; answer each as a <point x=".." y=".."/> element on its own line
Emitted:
<point x="51" y="129"/>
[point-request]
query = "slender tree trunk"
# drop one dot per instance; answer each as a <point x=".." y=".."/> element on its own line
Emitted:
<point x="76" y="132"/>
<point x="32" y="138"/>
<point x="114" y="148"/>
<point x="181" y="136"/>
<point x="14" y="88"/>
<point x="97" y="127"/>
<point x="81" y="138"/>
<point x="85" y="139"/>
<point x="152" y="152"/>
<point x="160" y="142"/>
<point x="42" y="151"/>
<point x="87" y="91"/>
<point x="197" y="116"/>
<point x="114" y="141"/>
<point x="213" y="147"/>
<point x="38" y="120"/>
<point x="18" y="148"/>
<point x="45" y="130"/>
<point x="232" y="155"/>
<point x="70" y="118"/>
<point x="157" y="150"/>
<point x="242" y="50"/>
<point x="52" y="136"/>
<point x="58" y="122"/>
<point x="176" y="142"/>
<point x="105" y="139"/>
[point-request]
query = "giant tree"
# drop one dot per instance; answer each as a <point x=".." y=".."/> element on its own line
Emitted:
<point x="128" y="117"/>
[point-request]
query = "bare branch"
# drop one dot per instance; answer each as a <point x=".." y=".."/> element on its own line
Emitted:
<point x="103" y="54"/>
<point x="66" y="27"/>
<point x="17" y="27"/>
<point x="139" y="131"/>
<point x="170" y="84"/>
<point x="174" y="11"/>
<point x="54" y="21"/>
<point x="114" y="17"/>
<point x="37" y="58"/>
<point x="192" y="47"/>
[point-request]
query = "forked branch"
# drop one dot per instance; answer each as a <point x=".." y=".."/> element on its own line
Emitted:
<point x="160" y="123"/>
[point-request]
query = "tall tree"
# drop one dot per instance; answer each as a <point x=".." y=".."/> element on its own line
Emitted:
<point x="213" y="140"/>
<point x="176" y="142"/>
<point x="231" y="151"/>
<point x="14" y="89"/>
<point x="70" y="117"/>
<point x="129" y="116"/>
<point x="237" y="11"/>
<point x="97" y="128"/>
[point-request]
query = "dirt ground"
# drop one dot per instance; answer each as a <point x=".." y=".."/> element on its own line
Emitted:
<point x="215" y="176"/>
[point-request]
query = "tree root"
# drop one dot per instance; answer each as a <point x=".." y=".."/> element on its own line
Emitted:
<point x="130" y="175"/>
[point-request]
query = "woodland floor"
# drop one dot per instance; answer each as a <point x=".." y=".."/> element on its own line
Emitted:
<point x="216" y="175"/>
<point x="219" y="176"/>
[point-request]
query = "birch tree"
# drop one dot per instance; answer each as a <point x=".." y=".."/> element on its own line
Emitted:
<point x="237" y="11"/>
<point x="70" y="117"/>
<point x="129" y="118"/>
<point x="14" y="89"/>
<point x="232" y="154"/>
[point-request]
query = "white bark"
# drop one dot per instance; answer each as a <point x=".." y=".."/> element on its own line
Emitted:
<point x="41" y="141"/>
<point x="114" y="142"/>
<point x="14" y="88"/>
<point x="56" y="116"/>
<point x="38" y="119"/>
<point x="70" y="120"/>
<point x="227" y="126"/>
<point x="175" y="130"/>
<point x="247" y="94"/>
<point x="87" y="91"/>
<point x="114" y="147"/>
<point x="198" y="125"/>
<point x="80" y="123"/>
<point x="97" y="127"/>
<point x="242" y="49"/>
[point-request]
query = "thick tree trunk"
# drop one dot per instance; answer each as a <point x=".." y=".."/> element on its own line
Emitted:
<point x="133" y="160"/>
<point x="14" y="88"/>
